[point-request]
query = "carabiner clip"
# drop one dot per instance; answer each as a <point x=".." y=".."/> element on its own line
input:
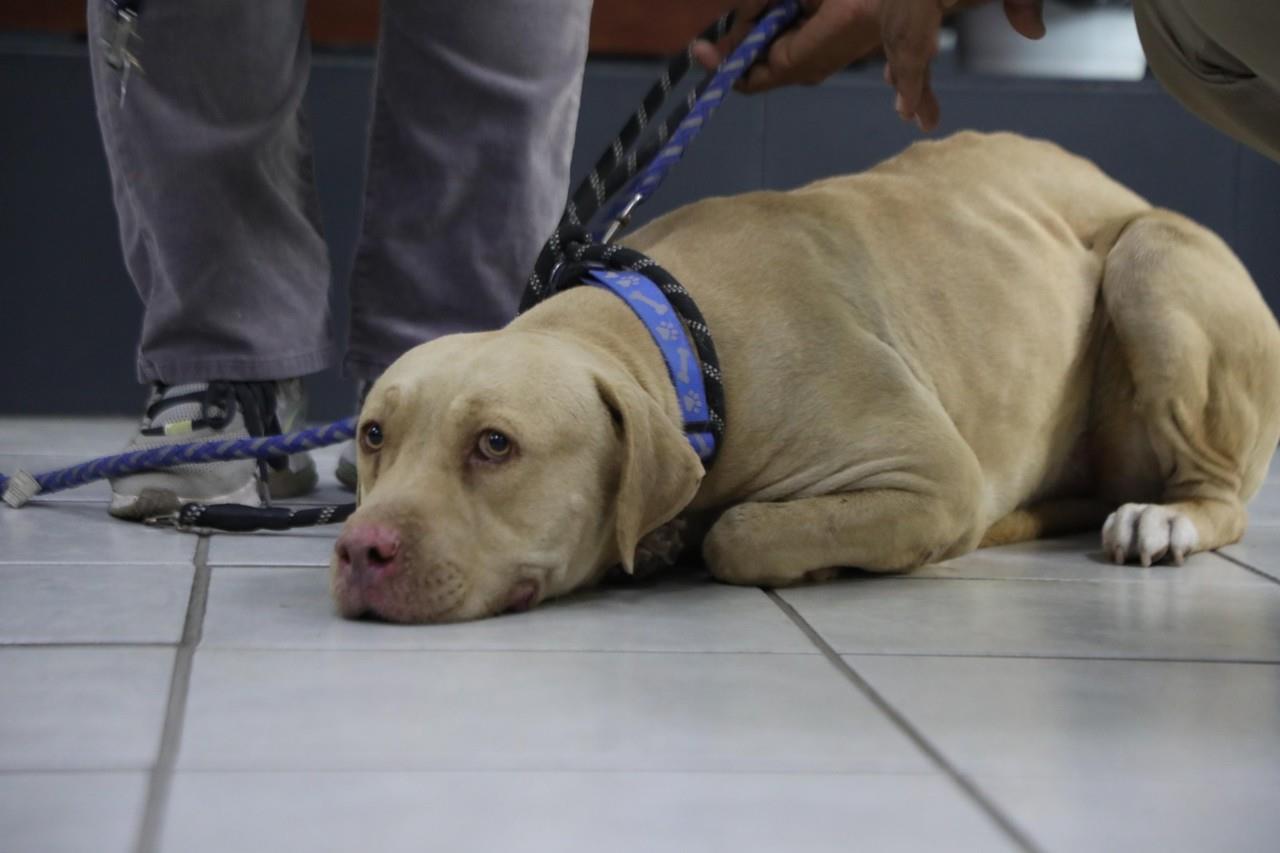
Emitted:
<point x="620" y="221"/>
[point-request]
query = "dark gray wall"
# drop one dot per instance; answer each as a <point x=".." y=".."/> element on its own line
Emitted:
<point x="68" y="314"/>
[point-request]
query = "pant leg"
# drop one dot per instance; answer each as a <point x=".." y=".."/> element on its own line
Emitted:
<point x="211" y="171"/>
<point x="1221" y="60"/>
<point x="474" y="118"/>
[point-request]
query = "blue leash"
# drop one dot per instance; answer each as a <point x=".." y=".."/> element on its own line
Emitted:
<point x="22" y="486"/>
<point x="710" y="96"/>
<point x="631" y="168"/>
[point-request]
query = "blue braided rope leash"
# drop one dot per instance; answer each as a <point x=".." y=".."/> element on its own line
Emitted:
<point x="710" y="94"/>
<point x="632" y="167"/>
<point x="22" y="486"/>
<point x="641" y="173"/>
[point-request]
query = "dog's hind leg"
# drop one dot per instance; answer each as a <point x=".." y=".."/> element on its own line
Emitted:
<point x="1187" y="399"/>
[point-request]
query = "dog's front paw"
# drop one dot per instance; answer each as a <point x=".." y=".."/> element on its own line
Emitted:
<point x="1149" y="533"/>
<point x="737" y="551"/>
<point x="728" y="546"/>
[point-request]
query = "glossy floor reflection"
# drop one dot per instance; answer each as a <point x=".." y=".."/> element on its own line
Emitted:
<point x="165" y="692"/>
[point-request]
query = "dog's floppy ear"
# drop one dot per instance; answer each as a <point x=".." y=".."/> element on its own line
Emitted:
<point x="658" y="473"/>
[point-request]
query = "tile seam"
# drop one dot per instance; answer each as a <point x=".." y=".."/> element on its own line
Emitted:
<point x="1248" y="568"/>
<point x="161" y="778"/>
<point x="967" y="786"/>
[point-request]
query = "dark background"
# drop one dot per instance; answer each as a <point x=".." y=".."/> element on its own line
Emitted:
<point x="69" y="315"/>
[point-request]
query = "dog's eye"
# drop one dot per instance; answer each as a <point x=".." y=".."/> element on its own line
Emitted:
<point x="494" y="446"/>
<point x="371" y="436"/>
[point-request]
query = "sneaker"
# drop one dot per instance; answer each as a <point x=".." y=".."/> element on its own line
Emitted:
<point x="346" y="470"/>
<point x="200" y="411"/>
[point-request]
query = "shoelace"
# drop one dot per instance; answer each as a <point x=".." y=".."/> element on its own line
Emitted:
<point x="219" y="403"/>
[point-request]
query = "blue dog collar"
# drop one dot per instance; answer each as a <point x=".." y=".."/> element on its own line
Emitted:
<point x="653" y="308"/>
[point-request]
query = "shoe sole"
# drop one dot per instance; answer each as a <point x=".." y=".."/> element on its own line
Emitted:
<point x="291" y="482"/>
<point x="347" y="474"/>
<point x="150" y="503"/>
<point x="287" y="483"/>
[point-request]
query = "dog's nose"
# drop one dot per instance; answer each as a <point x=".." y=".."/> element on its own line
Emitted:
<point x="368" y="552"/>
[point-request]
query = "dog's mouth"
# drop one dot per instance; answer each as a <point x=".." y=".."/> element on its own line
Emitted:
<point x="523" y="596"/>
<point x="372" y="605"/>
<point x="363" y="610"/>
<point x="404" y="598"/>
<point x="388" y="604"/>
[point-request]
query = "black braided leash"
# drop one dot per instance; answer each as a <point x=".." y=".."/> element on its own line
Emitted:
<point x="240" y="519"/>
<point x="621" y="161"/>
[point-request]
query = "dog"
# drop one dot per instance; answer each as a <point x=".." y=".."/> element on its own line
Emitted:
<point x="980" y="341"/>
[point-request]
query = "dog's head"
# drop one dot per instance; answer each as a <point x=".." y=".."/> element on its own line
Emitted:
<point x="498" y="470"/>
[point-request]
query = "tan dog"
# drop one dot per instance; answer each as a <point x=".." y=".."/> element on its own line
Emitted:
<point x="980" y="341"/>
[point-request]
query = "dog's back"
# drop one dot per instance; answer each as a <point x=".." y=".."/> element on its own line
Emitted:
<point x="970" y="258"/>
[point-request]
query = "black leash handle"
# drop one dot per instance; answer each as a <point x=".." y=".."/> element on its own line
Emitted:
<point x="238" y="518"/>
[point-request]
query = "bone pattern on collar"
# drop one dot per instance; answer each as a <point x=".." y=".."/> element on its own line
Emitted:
<point x="651" y="306"/>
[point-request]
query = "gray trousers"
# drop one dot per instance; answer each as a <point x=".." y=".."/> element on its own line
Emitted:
<point x="474" y="115"/>
<point x="1222" y="60"/>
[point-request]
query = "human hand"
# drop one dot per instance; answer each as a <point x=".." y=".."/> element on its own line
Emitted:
<point x="834" y="33"/>
<point x="909" y="33"/>
<point x="829" y="35"/>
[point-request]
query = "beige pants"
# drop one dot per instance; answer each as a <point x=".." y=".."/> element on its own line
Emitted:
<point x="1222" y="60"/>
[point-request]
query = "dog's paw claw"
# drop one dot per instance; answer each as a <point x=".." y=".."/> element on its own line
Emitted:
<point x="1149" y="533"/>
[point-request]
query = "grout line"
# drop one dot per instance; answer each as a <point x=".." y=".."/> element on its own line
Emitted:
<point x="87" y="644"/>
<point x="87" y="562"/>
<point x="521" y="770"/>
<point x="161" y="780"/>
<point x="673" y="652"/>
<point x="37" y="770"/>
<point x="1135" y="579"/>
<point x="1051" y="657"/>
<point x="904" y="725"/>
<point x="1246" y="566"/>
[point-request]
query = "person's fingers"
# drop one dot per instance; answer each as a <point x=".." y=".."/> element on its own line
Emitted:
<point x="838" y="32"/>
<point x="1026" y="16"/>
<point x="706" y="54"/>
<point x="710" y="55"/>
<point x="757" y="79"/>
<point x="929" y="113"/>
<point x="779" y="65"/>
<point x="909" y="31"/>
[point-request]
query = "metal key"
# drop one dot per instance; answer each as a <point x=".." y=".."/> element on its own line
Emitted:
<point x="117" y="42"/>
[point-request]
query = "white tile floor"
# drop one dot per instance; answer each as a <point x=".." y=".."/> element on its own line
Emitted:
<point x="164" y="693"/>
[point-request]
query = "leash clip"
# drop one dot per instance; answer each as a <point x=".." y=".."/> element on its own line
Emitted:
<point x="620" y="221"/>
<point x="175" y="521"/>
<point x="171" y="520"/>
